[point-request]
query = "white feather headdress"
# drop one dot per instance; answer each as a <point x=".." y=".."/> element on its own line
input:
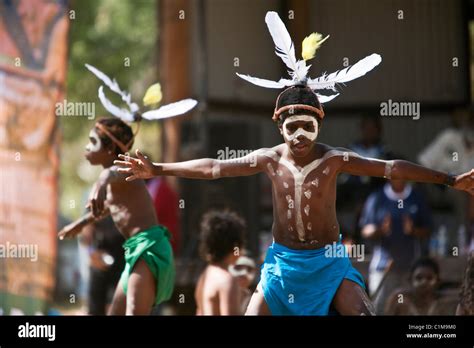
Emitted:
<point x="152" y="98"/>
<point x="133" y="113"/>
<point x="298" y="70"/>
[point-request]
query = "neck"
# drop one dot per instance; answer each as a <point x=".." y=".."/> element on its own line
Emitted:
<point x="108" y="163"/>
<point x="310" y="157"/>
<point x="221" y="264"/>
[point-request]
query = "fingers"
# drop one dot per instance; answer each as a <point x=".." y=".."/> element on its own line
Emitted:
<point x="140" y="155"/>
<point x="124" y="170"/>
<point x="94" y="207"/>
<point x="131" y="178"/>
<point x="123" y="163"/>
<point x="127" y="158"/>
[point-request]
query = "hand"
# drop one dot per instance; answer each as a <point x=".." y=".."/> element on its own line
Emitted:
<point x="139" y="168"/>
<point x="97" y="199"/>
<point x="408" y="225"/>
<point x="69" y="231"/>
<point x="386" y="226"/>
<point x="465" y="182"/>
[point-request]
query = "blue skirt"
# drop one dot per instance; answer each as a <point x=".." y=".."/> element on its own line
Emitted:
<point x="304" y="282"/>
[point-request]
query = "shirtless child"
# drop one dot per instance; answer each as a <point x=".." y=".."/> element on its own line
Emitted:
<point x="217" y="291"/>
<point x="297" y="276"/>
<point x="148" y="277"/>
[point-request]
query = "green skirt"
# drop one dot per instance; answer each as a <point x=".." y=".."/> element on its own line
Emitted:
<point x="153" y="246"/>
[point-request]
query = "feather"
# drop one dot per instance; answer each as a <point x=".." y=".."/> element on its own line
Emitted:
<point x="113" y="85"/>
<point x="153" y="95"/>
<point x="310" y="44"/>
<point x="350" y="73"/>
<point x="170" y="110"/>
<point x="326" y="98"/>
<point x="123" y="114"/>
<point x="266" y="83"/>
<point x="284" y="47"/>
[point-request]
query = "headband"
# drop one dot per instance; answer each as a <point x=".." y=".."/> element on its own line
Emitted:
<point x="122" y="146"/>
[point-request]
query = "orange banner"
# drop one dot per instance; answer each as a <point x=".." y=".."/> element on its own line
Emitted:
<point x="33" y="59"/>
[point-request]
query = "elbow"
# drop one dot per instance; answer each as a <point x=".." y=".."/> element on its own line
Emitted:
<point x="213" y="171"/>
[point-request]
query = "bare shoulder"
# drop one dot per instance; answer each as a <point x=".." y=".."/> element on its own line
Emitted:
<point x="273" y="153"/>
<point x="341" y="153"/>
<point x="228" y="282"/>
<point x="221" y="279"/>
<point x="115" y="176"/>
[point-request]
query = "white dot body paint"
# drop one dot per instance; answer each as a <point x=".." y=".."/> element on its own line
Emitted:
<point x="299" y="176"/>
<point x="98" y="143"/>
<point x="306" y="210"/>
<point x="300" y="131"/>
<point x="270" y="169"/>
<point x="289" y="214"/>
<point x="279" y="172"/>
<point x="307" y="193"/>
<point x="326" y="171"/>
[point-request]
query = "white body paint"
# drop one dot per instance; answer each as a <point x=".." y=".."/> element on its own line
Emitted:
<point x="300" y="131"/>
<point x="98" y="143"/>
<point x="299" y="177"/>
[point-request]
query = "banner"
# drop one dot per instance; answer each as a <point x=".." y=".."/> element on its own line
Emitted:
<point x="33" y="61"/>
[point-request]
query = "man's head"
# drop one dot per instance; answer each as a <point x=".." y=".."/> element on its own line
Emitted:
<point x="299" y="115"/>
<point x="107" y="139"/>
<point x="424" y="275"/>
<point x="222" y="236"/>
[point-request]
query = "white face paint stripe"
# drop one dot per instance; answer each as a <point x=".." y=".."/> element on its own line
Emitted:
<point x="309" y="135"/>
<point x="98" y="143"/>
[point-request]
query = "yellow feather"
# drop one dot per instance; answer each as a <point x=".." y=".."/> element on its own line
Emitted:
<point x="153" y="95"/>
<point x="310" y="44"/>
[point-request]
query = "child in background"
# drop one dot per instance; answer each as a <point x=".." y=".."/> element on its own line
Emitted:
<point x="148" y="277"/>
<point x="421" y="298"/>
<point x="244" y="271"/>
<point x="222" y="237"/>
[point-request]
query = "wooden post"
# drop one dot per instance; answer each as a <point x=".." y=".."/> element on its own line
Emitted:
<point x="174" y="68"/>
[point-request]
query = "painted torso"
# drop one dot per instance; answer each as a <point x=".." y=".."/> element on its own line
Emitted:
<point x="304" y="199"/>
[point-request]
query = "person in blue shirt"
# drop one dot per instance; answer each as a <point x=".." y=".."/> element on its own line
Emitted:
<point x="397" y="220"/>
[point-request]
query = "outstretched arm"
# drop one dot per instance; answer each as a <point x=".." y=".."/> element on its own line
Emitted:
<point x="404" y="170"/>
<point x="205" y="168"/>
<point x="75" y="228"/>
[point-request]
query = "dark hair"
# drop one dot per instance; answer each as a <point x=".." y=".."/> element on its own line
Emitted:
<point x="221" y="232"/>
<point x="118" y="129"/>
<point x="298" y="95"/>
<point x="425" y="262"/>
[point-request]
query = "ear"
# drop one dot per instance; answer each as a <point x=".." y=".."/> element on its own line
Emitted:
<point x="111" y="147"/>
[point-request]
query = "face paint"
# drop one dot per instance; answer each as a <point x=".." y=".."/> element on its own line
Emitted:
<point x="300" y="131"/>
<point x="91" y="147"/>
